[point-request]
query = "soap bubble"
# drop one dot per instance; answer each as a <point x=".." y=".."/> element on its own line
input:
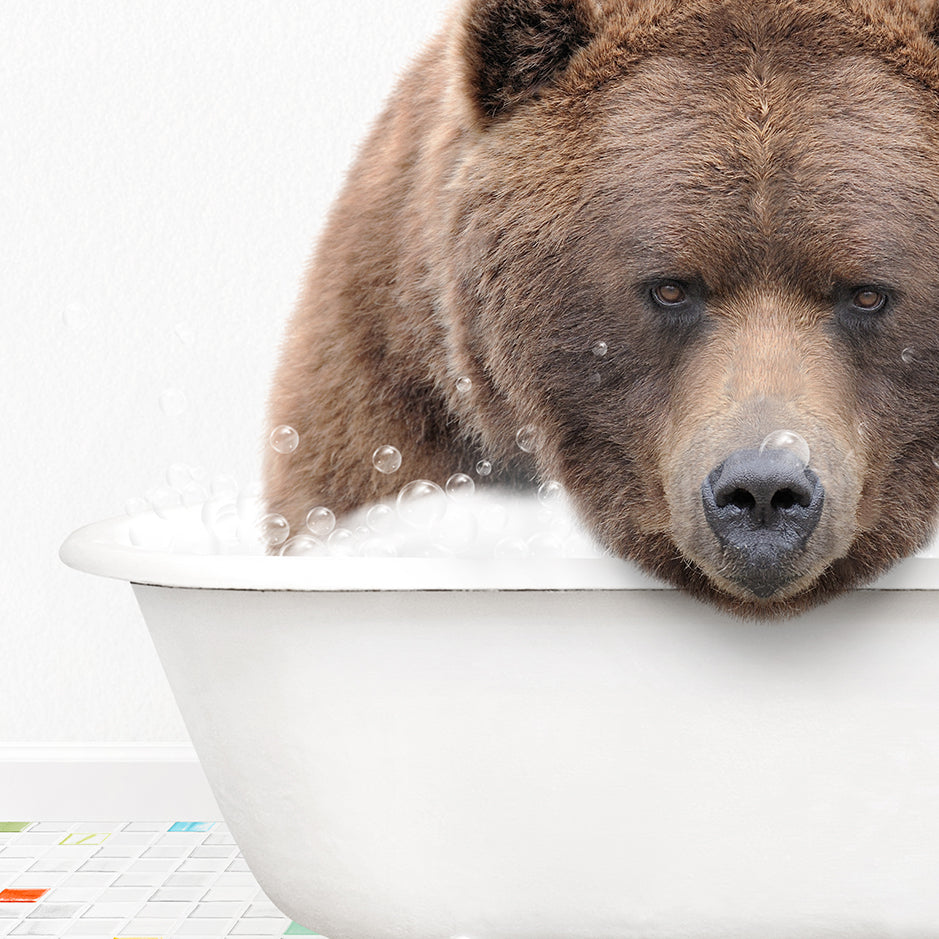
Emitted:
<point x="545" y="544"/>
<point x="511" y="547"/>
<point x="173" y="402"/>
<point x="303" y="546"/>
<point x="224" y="523"/>
<point x="341" y="543"/>
<point x="220" y="518"/>
<point x="387" y="459"/>
<point x="460" y="527"/>
<point x="380" y="518"/>
<point x="320" y="521"/>
<point x="249" y="501"/>
<point x="556" y="518"/>
<point x="787" y="440"/>
<point x="492" y="517"/>
<point x="284" y="439"/>
<point x="550" y="492"/>
<point x="460" y="486"/>
<point x="483" y="468"/>
<point x="908" y="356"/>
<point x="274" y="530"/>
<point x="136" y="506"/>
<point x="162" y="499"/>
<point x="599" y="349"/>
<point x="421" y="503"/>
<point x="211" y="508"/>
<point x="193" y="494"/>
<point x="464" y="384"/>
<point x="224" y="486"/>
<point x="527" y="438"/>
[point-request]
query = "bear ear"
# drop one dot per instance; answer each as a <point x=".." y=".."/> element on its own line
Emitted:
<point x="510" y="48"/>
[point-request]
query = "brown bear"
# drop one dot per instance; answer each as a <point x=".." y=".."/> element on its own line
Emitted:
<point x="655" y="233"/>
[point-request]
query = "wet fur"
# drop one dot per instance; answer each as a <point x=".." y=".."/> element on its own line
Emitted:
<point x="534" y="169"/>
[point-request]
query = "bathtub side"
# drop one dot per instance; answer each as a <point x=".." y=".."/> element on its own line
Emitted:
<point x="566" y="764"/>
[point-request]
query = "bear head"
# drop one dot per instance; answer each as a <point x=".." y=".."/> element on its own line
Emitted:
<point x="685" y="252"/>
<point x="693" y="248"/>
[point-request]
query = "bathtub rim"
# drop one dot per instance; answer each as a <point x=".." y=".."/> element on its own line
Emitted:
<point x="103" y="548"/>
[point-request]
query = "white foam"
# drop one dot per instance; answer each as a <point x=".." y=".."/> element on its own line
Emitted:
<point x="487" y="523"/>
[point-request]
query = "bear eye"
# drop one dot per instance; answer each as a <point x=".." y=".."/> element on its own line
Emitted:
<point x="669" y="293"/>
<point x="868" y="299"/>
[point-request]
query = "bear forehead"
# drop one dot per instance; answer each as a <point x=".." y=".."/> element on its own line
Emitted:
<point x="822" y="159"/>
<point x="793" y="139"/>
<point x="895" y="31"/>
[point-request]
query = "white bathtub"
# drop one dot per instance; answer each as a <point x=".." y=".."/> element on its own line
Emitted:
<point x="424" y="749"/>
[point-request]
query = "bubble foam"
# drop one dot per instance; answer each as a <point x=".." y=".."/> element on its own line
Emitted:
<point x="423" y="519"/>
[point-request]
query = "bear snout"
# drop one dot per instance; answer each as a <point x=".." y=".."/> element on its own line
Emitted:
<point x="762" y="506"/>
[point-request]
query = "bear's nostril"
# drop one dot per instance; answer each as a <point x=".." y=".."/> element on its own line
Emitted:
<point x="781" y="499"/>
<point x="785" y="499"/>
<point x="741" y="499"/>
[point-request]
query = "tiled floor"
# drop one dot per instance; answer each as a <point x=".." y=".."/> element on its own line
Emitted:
<point x="132" y="880"/>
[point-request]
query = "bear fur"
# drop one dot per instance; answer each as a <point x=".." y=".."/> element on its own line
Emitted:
<point x="538" y="175"/>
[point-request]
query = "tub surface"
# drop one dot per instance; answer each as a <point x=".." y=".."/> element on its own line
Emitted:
<point x="410" y="749"/>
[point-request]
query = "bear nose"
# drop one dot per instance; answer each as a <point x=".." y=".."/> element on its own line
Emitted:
<point x="762" y="506"/>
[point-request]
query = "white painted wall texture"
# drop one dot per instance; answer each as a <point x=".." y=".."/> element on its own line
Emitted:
<point x="166" y="167"/>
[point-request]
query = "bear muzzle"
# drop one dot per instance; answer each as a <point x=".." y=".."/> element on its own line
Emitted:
<point x="762" y="506"/>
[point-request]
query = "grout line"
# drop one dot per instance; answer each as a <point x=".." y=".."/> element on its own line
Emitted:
<point x="56" y="880"/>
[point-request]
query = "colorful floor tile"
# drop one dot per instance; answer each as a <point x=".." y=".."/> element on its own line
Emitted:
<point x="131" y="880"/>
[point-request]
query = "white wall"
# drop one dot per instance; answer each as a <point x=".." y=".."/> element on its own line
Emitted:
<point x="164" y="171"/>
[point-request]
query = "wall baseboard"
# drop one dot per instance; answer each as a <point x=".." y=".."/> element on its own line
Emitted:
<point x="103" y="782"/>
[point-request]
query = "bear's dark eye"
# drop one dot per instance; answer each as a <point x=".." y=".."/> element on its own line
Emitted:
<point x="669" y="293"/>
<point x="868" y="300"/>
